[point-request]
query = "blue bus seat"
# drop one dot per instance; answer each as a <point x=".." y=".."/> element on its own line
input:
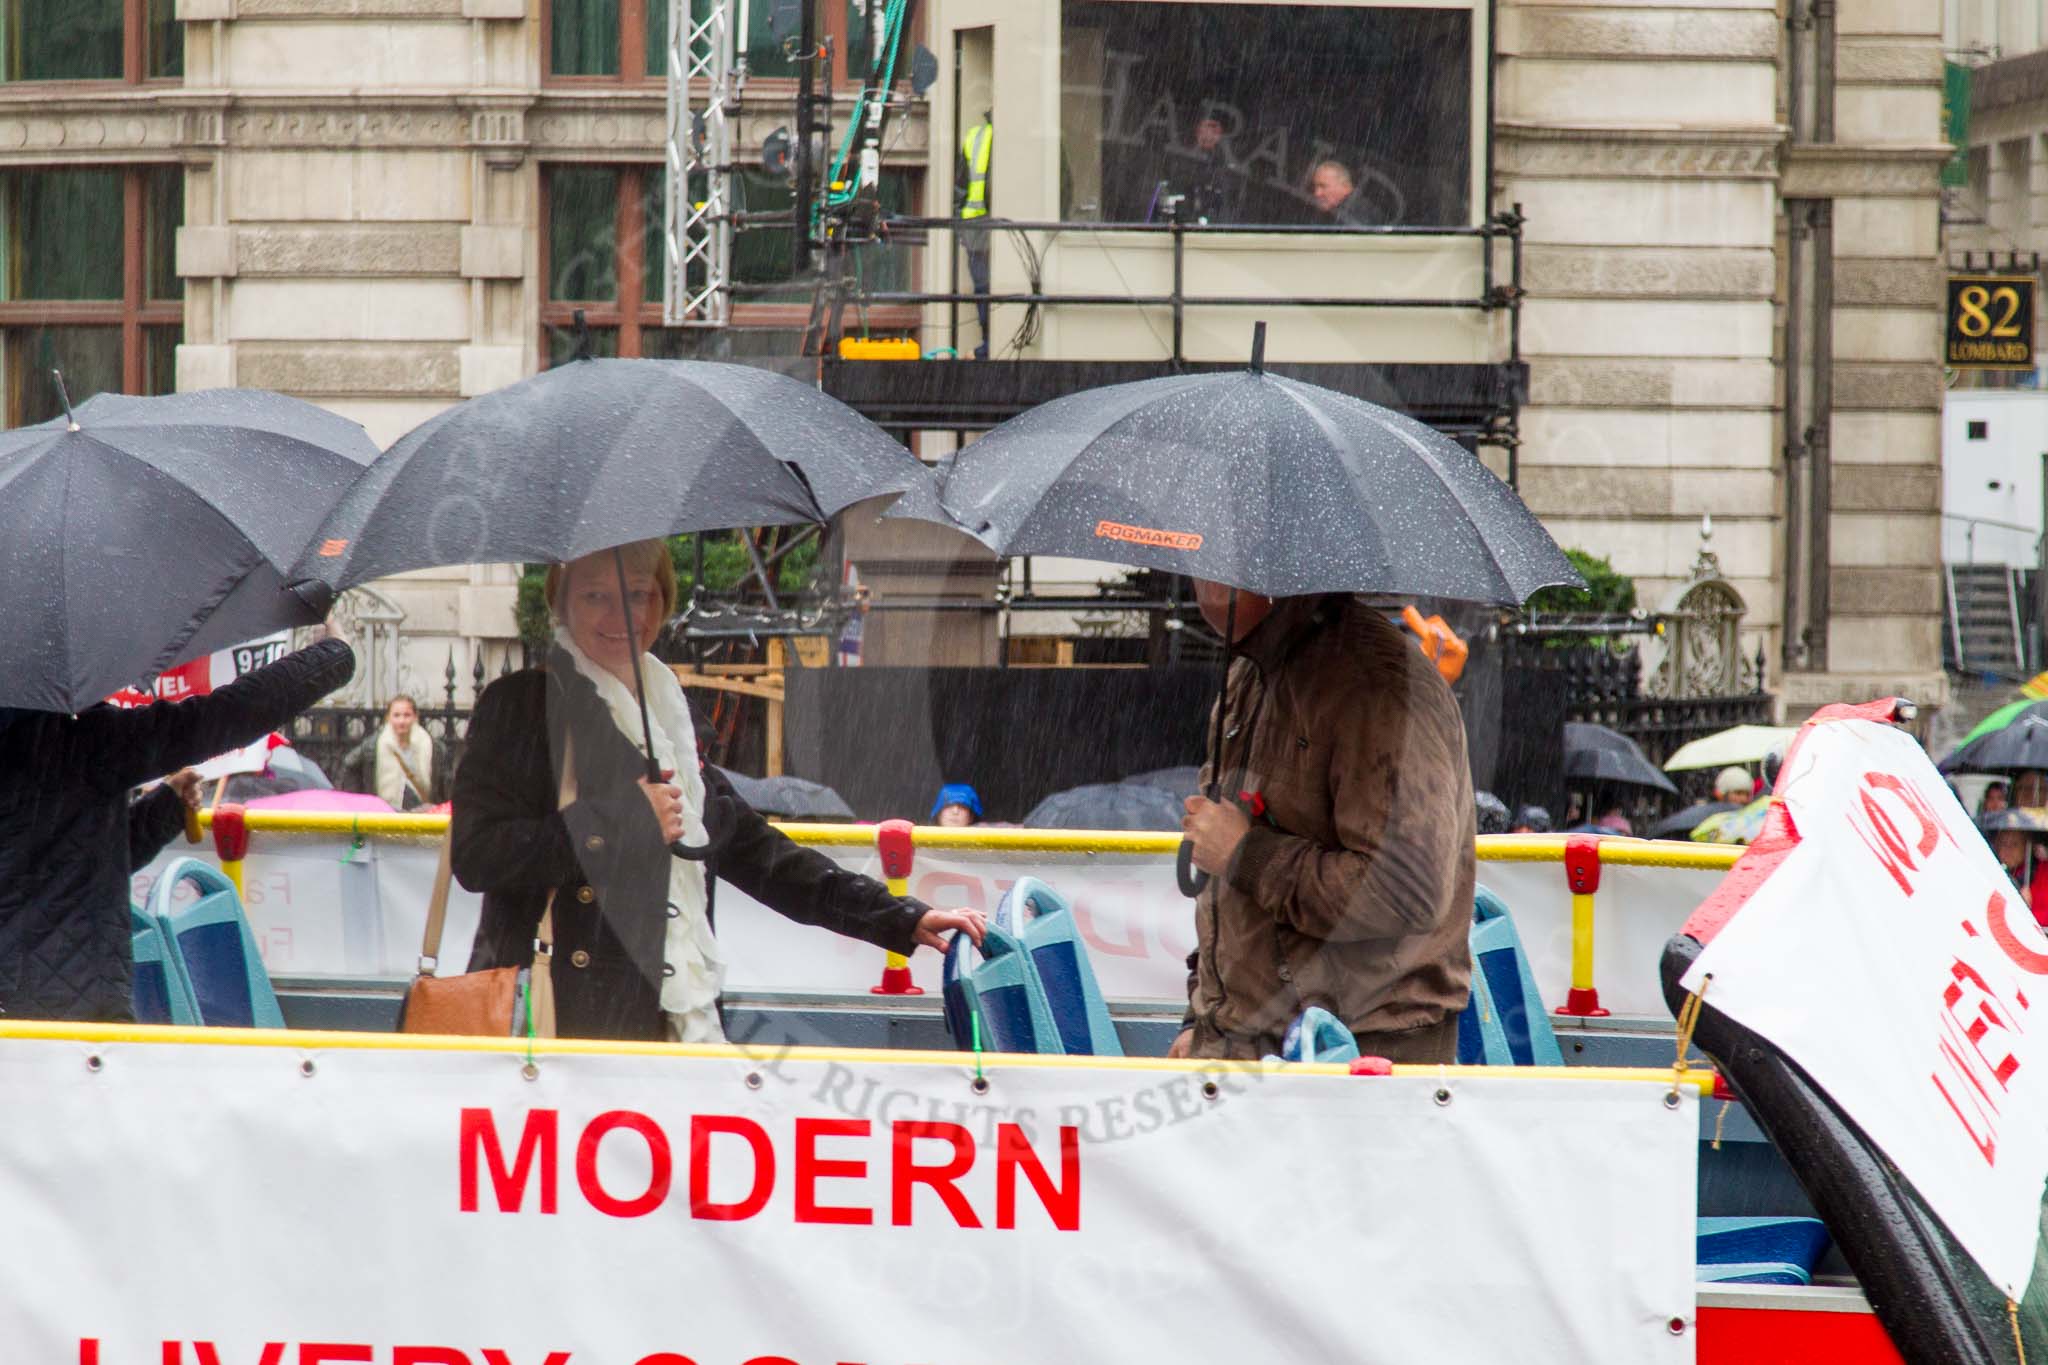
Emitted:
<point x="1003" y="993"/>
<point x="210" y="945"/>
<point x="159" y="994"/>
<point x="1753" y="1272"/>
<point x="1505" y="1024"/>
<point x="1760" y="1250"/>
<point x="1044" y="920"/>
<point x="1316" y="1035"/>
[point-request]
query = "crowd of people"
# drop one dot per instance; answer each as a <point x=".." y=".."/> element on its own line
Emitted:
<point x="1340" y="873"/>
<point x="1324" y="886"/>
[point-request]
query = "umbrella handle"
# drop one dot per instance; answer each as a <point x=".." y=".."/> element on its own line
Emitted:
<point x="695" y="853"/>
<point x="719" y="818"/>
<point x="1191" y="878"/>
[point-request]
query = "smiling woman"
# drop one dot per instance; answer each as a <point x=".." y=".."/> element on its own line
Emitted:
<point x="562" y="826"/>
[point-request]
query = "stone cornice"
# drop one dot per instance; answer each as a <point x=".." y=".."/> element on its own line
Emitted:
<point x="83" y="124"/>
<point x="1841" y="170"/>
<point x="347" y="9"/>
<point x="323" y="122"/>
<point x="2013" y="80"/>
<point x="1553" y="151"/>
<point x="597" y="123"/>
<point x="1635" y="34"/>
<point x="165" y="122"/>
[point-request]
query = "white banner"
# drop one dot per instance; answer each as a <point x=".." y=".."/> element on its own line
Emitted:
<point x="317" y="915"/>
<point x="1881" y="947"/>
<point x="288" y="1205"/>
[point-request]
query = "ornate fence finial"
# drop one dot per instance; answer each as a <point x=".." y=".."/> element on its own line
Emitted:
<point x="449" y="686"/>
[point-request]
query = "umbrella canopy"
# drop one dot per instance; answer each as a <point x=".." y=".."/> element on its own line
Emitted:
<point x="2021" y="744"/>
<point x="1180" y="781"/>
<point x="598" y="453"/>
<point x="792" y="798"/>
<point x="1741" y="825"/>
<point x="1733" y="747"/>
<point x="1999" y="719"/>
<point x="1257" y="481"/>
<point x="141" y="532"/>
<point x="1679" y="824"/>
<point x="1594" y="753"/>
<point x="2026" y="819"/>
<point x="1111" y="805"/>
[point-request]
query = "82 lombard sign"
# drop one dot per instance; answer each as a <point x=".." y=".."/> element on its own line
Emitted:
<point x="1990" y="323"/>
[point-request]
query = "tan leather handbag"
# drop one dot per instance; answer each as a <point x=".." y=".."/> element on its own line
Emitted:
<point x="485" y="1003"/>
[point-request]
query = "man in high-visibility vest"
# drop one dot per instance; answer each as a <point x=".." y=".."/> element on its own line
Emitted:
<point x="970" y="202"/>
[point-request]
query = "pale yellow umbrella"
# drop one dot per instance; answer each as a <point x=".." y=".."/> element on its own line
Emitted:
<point x="1738" y="745"/>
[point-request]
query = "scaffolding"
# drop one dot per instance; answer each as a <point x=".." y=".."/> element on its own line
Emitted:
<point x="705" y="77"/>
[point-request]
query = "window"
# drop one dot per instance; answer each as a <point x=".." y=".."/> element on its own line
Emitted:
<point x="1255" y="113"/>
<point x="603" y="245"/>
<point x="628" y="40"/>
<point x="88" y="284"/>
<point x="1978" y="431"/>
<point x="605" y="257"/>
<point x="91" y="40"/>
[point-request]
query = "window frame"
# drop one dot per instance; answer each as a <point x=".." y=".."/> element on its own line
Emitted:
<point x="134" y="58"/>
<point x="135" y="313"/>
<point x="630" y="270"/>
<point x="1480" y="96"/>
<point x="633" y="47"/>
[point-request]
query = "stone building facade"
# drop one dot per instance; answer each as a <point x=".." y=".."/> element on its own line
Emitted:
<point x="1733" y="256"/>
<point x="357" y="197"/>
<point x="1735" y="276"/>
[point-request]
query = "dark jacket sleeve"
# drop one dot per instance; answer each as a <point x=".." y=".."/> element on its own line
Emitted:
<point x="359" y="769"/>
<point x="153" y="821"/>
<point x="127" y="748"/>
<point x="802" y="883"/>
<point x="507" y="833"/>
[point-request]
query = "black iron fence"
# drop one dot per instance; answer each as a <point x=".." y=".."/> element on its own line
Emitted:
<point x="1605" y="687"/>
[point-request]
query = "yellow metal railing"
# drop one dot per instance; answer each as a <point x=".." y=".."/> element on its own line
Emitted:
<point x="1506" y="848"/>
<point x="1701" y="1081"/>
<point x="1582" y="875"/>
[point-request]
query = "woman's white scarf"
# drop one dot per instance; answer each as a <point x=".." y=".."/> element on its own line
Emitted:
<point x="418" y="753"/>
<point x="689" y="994"/>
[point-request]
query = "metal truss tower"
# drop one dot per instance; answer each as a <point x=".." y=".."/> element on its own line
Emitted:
<point x="704" y="80"/>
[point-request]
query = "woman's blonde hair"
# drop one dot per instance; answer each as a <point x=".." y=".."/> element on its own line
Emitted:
<point x="642" y="556"/>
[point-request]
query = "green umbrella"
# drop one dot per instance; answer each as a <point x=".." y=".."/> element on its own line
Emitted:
<point x="1999" y="719"/>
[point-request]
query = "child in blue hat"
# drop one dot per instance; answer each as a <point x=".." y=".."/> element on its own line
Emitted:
<point x="957" y="805"/>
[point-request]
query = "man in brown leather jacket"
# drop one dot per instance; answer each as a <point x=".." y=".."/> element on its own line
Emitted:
<point x="1340" y="860"/>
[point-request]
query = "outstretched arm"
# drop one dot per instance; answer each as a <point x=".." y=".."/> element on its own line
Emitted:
<point x="810" y="888"/>
<point x="133" y="746"/>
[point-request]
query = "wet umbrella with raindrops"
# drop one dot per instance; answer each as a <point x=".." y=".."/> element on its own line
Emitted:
<point x="137" y="533"/>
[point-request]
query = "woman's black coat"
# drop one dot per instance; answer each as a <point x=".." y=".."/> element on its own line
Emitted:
<point x="66" y="828"/>
<point x="605" y="856"/>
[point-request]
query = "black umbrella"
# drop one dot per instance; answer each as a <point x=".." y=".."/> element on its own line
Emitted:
<point x="2020" y="745"/>
<point x="792" y="798"/>
<point x="1180" y="781"/>
<point x="1681" y="823"/>
<point x="1594" y="753"/>
<point x="2028" y="820"/>
<point x="1110" y="805"/>
<point x="595" y="454"/>
<point x="1256" y="481"/>
<point x="599" y="453"/>
<point x="137" y="533"/>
